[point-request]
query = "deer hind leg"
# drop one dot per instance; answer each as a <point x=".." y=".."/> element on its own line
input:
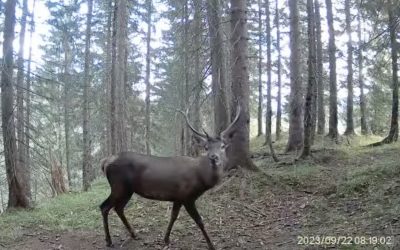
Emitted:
<point x="192" y="211"/>
<point x="105" y="208"/>
<point x="174" y="214"/>
<point x="119" y="209"/>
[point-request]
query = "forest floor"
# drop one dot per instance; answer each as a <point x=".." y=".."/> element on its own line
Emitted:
<point x="344" y="190"/>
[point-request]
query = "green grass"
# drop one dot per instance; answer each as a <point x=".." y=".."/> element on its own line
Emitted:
<point x="351" y="187"/>
<point x="64" y="212"/>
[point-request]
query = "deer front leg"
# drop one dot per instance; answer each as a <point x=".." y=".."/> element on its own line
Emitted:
<point x="174" y="214"/>
<point x="192" y="211"/>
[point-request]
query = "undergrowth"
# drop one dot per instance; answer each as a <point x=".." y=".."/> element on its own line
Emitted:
<point x="351" y="188"/>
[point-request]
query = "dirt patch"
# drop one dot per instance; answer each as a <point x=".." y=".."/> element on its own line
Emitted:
<point x="269" y="223"/>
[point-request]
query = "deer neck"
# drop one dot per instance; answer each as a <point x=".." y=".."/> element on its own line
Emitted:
<point x="211" y="173"/>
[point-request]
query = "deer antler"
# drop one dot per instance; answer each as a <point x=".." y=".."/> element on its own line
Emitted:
<point x="190" y="126"/>
<point x="229" y="128"/>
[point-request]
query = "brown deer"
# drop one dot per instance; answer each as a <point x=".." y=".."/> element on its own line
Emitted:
<point x="181" y="179"/>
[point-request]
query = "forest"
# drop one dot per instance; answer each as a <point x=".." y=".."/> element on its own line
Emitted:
<point x="283" y="113"/>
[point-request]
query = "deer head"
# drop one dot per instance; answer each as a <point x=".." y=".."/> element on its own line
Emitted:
<point x="215" y="146"/>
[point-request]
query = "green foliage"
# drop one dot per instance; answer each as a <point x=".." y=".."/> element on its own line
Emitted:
<point x="64" y="212"/>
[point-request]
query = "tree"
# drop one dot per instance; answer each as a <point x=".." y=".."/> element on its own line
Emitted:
<point x="110" y="89"/>
<point x="66" y="96"/>
<point x="349" y="120"/>
<point x="278" y="72"/>
<point x="260" y="92"/>
<point x="394" y="122"/>
<point x="121" y="77"/>
<point x="147" y="77"/>
<point x="28" y="94"/>
<point x="310" y="97"/>
<point x="268" y="122"/>
<point x="17" y="195"/>
<point x="320" y="73"/>
<point x="86" y="168"/>
<point x="295" y="104"/>
<point x="218" y="72"/>
<point x="363" y="102"/>
<point x="118" y="77"/>
<point x="194" y="149"/>
<point x="238" y="152"/>
<point x="333" y="108"/>
<point x="21" y="144"/>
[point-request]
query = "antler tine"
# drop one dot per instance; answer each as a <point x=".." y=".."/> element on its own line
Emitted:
<point x="190" y="126"/>
<point x="204" y="131"/>
<point x="227" y="130"/>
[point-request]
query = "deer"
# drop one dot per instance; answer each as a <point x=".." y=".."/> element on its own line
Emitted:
<point x="179" y="179"/>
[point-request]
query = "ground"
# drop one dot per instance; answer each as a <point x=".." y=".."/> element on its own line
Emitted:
<point x="347" y="190"/>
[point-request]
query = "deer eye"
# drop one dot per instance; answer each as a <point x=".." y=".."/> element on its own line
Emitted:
<point x="223" y="146"/>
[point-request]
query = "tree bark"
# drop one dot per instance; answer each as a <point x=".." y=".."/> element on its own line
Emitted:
<point x="66" y="100"/>
<point x="28" y="98"/>
<point x="87" y="166"/>
<point x="21" y="145"/>
<point x="350" y="93"/>
<point x="333" y="108"/>
<point x="194" y="149"/>
<point x="107" y="77"/>
<point x="17" y="196"/>
<point x="121" y="77"/>
<point x="218" y="72"/>
<point x="147" y="78"/>
<point x="278" y="72"/>
<point x="113" y="83"/>
<point x="268" y="118"/>
<point x="296" y="103"/>
<point x="394" y="124"/>
<point x="260" y="92"/>
<point x="320" y="73"/>
<point x="363" y="101"/>
<point x="310" y="95"/>
<point x="238" y="152"/>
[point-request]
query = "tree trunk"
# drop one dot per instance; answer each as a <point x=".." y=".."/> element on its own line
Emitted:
<point x="147" y="78"/>
<point x="320" y="74"/>
<point x="107" y="77"/>
<point x="121" y="68"/>
<point x="21" y="145"/>
<point x="87" y="166"/>
<point x="217" y="66"/>
<point x="333" y="108"/>
<point x="17" y="196"/>
<point x="194" y="149"/>
<point x="394" y="124"/>
<point x="363" y="101"/>
<point x="349" y="120"/>
<point x="28" y="98"/>
<point x="260" y="93"/>
<point x="310" y="95"/>
<point x="238" y="152"/>
<point x="113" y="83"/>
<point x="268" y="118"/>
<point x="186" y="67"/>
<point x="296" y="103"/>
<point x="66" y="81"/>
<point x="278" y="72"/>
